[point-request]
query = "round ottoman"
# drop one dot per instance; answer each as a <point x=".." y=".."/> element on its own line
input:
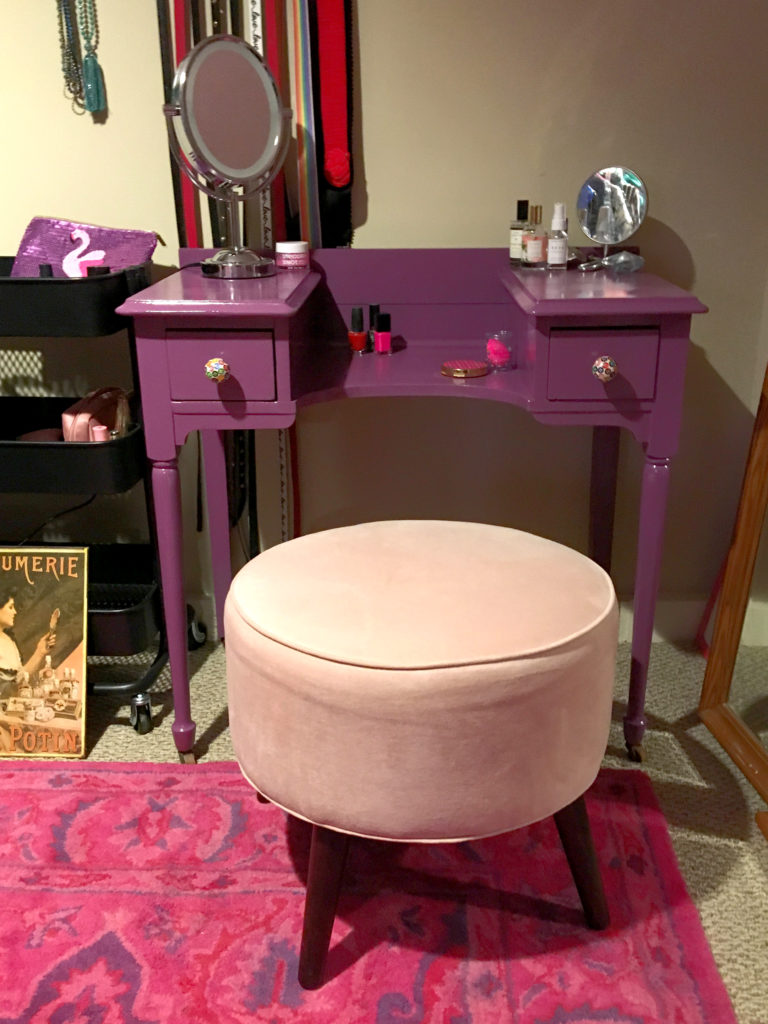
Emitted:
<point x="421" y="681"/>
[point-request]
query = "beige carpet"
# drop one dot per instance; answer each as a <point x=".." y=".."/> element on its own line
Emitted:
<point x="709" y="806"/>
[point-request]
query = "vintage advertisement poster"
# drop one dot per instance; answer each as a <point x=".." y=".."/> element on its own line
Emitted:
<point x="43" y="608"/>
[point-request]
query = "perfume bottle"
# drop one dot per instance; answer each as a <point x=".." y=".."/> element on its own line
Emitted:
<point x="23" y="686"/>
<point x="46" y="677"/>
<point x="516" y="229"/>
<point x="534" y="241"/>
<point x="557" y="239"/>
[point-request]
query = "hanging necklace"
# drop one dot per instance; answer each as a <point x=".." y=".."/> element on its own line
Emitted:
<point x="93" y="79"/>
<point x="70" y="63"/>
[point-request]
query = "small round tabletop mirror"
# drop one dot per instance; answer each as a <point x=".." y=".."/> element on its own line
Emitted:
<point x="611" y="205"/>
<point x="229" y="133"/>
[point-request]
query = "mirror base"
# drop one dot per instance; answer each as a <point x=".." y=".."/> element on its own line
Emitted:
<point x="238" y="263"/>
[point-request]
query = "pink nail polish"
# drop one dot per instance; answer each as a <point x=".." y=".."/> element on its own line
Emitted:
<point x="382" y="338"/>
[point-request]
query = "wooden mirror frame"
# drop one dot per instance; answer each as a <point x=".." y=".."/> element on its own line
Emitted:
<point x="741" y="744"/>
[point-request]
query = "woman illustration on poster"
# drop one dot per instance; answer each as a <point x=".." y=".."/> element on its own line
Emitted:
<point x="11" y="664"/>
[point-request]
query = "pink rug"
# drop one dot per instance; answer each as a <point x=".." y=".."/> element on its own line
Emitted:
<point x="157" y="893"/>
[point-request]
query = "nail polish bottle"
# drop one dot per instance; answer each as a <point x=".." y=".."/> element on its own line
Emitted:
<point x="372" y="314"/>
<point x="516" y="229"/>
<point x="382" y="338"/>
<point x="557" y="240"/>
<point x="357" y="336"/>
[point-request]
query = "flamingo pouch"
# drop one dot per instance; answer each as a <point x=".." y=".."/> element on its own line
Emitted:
<point x="70" y="249"/>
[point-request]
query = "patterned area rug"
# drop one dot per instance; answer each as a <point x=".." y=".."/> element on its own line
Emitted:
<point x="140" y="893"/>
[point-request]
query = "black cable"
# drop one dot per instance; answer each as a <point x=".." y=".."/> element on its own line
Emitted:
<point x="56" y="515"/>
<point x="253" y="507"/>
<point x="235" y="18"/>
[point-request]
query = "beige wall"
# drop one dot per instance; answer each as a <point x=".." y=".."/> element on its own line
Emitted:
<point x="461" y="109"/>
<point x="58" y="163"/>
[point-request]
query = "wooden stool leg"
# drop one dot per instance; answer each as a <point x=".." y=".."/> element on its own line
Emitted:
<point x="576" y="836"/>
<point x="327" y="856"/>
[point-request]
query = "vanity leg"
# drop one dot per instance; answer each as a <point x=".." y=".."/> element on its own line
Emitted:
<point x="653" y="505"/>
<point x="166" y="491"/>
<point x="602" y="493"/>
<point x="215" y="467"/>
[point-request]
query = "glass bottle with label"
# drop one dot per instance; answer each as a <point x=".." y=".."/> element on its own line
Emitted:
<point x="47" y="678"/>
<point x="534" y="241"/>
<point x="516" y="230"/>
<point x="557" y="239"/>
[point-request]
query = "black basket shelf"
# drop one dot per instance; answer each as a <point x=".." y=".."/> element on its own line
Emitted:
<point x="65" y="307"/>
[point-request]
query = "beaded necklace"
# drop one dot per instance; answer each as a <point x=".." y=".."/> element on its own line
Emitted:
<point x="70" y="63"/>
<point x="93" y="78"/>
<point x="88" y="23"/>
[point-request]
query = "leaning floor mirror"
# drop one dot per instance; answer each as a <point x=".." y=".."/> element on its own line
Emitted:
<point x="734" y="695"/>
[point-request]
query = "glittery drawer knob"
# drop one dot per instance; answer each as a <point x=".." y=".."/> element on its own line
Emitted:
<point x="216" y="369"/>
<point x="604" y="368"/>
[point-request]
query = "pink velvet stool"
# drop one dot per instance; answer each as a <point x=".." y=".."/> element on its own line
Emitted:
<point x="421" y="681"/>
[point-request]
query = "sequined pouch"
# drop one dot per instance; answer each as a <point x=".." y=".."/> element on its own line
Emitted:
<point x="63" y="248"/>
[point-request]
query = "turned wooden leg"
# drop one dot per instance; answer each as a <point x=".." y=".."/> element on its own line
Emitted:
<point x="576" y="836"/>
<point x="327" y="857"/>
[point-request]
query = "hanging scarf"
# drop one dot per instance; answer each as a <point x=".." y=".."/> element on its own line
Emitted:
<point x="332" y="67"/>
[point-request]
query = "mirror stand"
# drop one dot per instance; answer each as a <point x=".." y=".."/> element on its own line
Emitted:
<point x="235" y="261"/>
<point x="610" y="207"/>
<point x="229" y="133"/>
<point x="741" y="744"/>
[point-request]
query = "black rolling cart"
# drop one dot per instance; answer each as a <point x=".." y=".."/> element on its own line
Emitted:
<point x="124" y="602"/>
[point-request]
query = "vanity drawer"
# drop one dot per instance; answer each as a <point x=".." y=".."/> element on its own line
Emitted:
<point x="572" y="353"/>
<point x="250" y="356"/>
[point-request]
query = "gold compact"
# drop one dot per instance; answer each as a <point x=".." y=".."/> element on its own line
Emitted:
<point x="464" y="368"/>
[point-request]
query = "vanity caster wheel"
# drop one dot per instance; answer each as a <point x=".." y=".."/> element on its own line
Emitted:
<point x="196" y="631"/>
<point x="141" y="713"/>
<point x="635" y="753"/>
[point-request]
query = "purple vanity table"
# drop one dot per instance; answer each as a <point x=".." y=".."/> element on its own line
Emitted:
<point x="284" y="340"/>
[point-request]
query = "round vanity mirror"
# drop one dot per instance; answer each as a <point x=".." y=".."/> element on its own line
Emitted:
<point x="611" y="205"/>
<point x="229" y="133"/>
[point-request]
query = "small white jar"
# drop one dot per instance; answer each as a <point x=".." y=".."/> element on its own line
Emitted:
<point x="292" y="255"/>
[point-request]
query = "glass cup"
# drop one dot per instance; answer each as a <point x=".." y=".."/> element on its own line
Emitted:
<point x="500" y="351"/>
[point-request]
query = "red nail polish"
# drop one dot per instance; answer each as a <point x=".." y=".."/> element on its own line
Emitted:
<point x="357" y="336"/>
